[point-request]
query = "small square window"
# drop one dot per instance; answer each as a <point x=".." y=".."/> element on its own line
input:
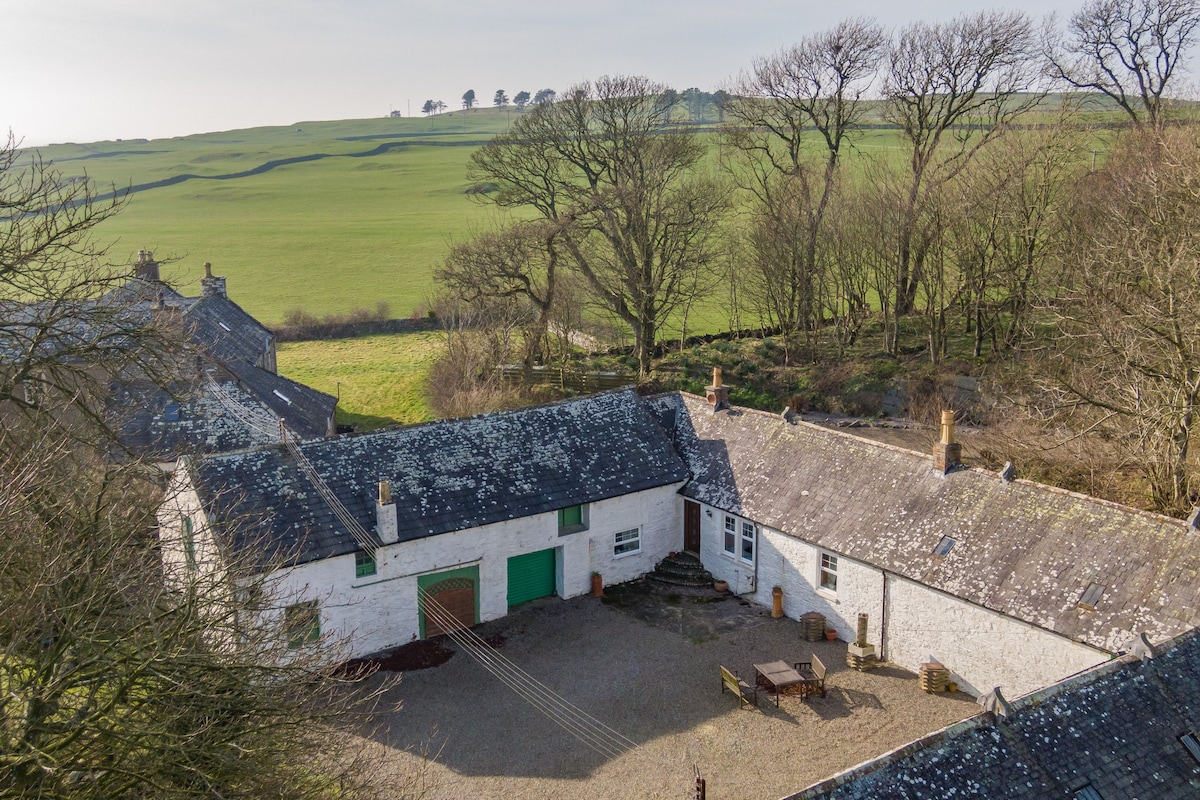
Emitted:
<point x="627" y="542"/>
<point x="1086" y="793"/>
<point x="1091" y="595"/>
<point x="364" y="564"/>
<point x="944" y="546"/>
<point x="1189" y="741"/>
<point x="302" y="624"/>
<point x="828" y="577"/>
<point x="572" y="519"/>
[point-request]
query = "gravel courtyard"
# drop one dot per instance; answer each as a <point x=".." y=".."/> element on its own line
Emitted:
<point x="647" y="665"/>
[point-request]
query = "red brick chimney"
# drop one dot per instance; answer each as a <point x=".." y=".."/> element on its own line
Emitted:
<point x="947" y="453"/>
<point x="717" y="394"/>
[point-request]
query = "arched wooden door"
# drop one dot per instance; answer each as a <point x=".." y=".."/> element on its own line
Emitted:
<point x="453" y="598"/>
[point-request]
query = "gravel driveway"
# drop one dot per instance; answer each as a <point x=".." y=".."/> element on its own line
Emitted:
<point x="647" y="665"/>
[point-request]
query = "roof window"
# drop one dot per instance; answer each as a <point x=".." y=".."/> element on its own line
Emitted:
<point x="225" y="327"/>
<point x="1192" y="744"/>
<point x="1091" y="595"/>
<point x="281" y="396"/>
<point x="1086" y="793"/>
<point x="944" y="546"/>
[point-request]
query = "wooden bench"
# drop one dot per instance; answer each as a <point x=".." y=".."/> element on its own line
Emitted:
<point x="813" y="673"/>
<point x="745" y="692"/>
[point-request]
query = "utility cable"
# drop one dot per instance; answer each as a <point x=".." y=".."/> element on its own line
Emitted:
<point x="589" y="730"/>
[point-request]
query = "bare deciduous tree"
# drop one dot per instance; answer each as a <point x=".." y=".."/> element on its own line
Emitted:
<point x="117" y="684"/>
<point x="1128" y="50"/>
<point x="621" y="180"/>
<point x="812" y="90"/>
<point x="950" y="88"/>
<point x="520" y="261"/>
<point x="1124" y="361"/>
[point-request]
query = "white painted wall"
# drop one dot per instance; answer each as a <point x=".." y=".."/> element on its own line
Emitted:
<point x="982" y="648"/>
<point x="381" y="611"/>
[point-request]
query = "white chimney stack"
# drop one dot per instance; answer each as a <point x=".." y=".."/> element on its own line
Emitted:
<point x="386" y="523"/>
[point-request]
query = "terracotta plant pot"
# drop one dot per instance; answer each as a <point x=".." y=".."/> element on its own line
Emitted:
<point x="721" y="586"/>
<point x="597" y="585"/>
<point x="831" y="634"/>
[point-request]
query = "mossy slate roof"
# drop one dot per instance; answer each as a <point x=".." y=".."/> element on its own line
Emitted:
<point x="1023" y="549"/>
<point x="446" y="476"/>
<point x="1114" y="728"/>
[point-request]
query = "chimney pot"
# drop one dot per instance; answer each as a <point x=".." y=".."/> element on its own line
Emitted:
<point x="716" y="377"/>
<point x="208" y="269"/>
<point x="947" y="427"/>
<point x="385" y="492"/>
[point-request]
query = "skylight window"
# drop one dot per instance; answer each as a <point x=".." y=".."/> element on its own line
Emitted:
<point x="1086" y="793"/>
<point x="281" y="396"/>
<point x="1192" y="744"/>
<point x="944" y="546"/>
<point x="225" y="327"/>
<point x="1091" y="595"/>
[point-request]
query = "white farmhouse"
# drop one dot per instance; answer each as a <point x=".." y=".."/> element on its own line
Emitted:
<point x="1006" y="582"/>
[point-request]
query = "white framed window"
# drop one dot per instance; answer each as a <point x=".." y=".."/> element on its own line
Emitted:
<point x="731" y="535"/>
<point x="747" y="554"/>
<point x="828" y="573"/>
<point x="626" y="543"/>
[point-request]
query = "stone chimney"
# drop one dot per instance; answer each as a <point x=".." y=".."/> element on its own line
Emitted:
<point x="717" y="394"/>
<point x="947" y="453"/>
<point x="386" y="523"/>
<point x="211" y="286"/>
<point x="146" y="268"/>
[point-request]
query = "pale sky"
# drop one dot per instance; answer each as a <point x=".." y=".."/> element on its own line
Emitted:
<point x="88" y="70"/>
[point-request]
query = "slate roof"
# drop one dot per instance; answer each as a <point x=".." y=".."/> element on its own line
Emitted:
<point x="237" y="343"/>
<point x="446" y="476"/>
<point x="1022" y="549"/>
<point x="1115" y="728"/>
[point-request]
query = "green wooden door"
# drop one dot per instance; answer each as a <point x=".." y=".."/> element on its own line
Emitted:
<point x="530" y="576"/>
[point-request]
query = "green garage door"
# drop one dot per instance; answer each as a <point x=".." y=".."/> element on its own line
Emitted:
<point x="530" y="576"/>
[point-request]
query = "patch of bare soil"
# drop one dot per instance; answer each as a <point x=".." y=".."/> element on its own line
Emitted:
<point x="416" y="655"/>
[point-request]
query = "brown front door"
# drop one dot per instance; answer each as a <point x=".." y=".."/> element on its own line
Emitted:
<point x="691" y="526"/>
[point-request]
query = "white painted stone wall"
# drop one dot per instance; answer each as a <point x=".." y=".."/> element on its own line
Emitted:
<point x="982" y="648"/>
<point x="181" y="500"/>
<point x="379" y="611"/>
<point x="794" y="564"/>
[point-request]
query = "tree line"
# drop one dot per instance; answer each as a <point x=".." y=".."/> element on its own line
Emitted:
<point x="985" y="210"/>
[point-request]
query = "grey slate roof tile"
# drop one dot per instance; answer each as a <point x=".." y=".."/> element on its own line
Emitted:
<point x="1115" y="727"/>
<point x="1023" y="549"/>
<point x="445" y="476"/>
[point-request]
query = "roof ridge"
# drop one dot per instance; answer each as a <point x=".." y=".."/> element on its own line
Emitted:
<point x="974" y="468"/>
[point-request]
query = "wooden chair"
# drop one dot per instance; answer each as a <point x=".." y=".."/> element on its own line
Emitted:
<point x="813" y="673"/>
<point x="745" y="692"/>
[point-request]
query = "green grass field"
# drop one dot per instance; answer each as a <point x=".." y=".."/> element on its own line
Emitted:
<point x="327" y="235"/>
<point x="380" y="379"/>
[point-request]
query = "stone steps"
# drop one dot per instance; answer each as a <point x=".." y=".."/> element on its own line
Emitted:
<point x="682" y="570"/>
